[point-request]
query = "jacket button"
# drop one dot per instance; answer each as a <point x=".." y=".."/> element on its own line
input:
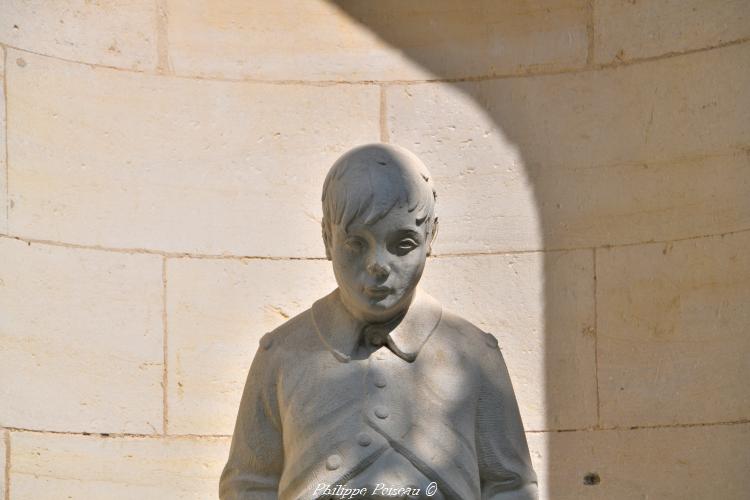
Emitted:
<point x="380" y="382"/>
<point x="333" y="462"/>
<point x="381" y="412"/>
<point x="490" y="340"/>
<point x="364" y="439"/>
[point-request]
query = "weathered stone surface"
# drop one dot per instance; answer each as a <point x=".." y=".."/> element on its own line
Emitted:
<point x="626" y="30"/>
<point x="672" y="323"/>
<point x="541" y="309"/>
<point x="81" y="340"/>
<point x="560" y="161"/>
<point x="178" y="165"/>
<point x="119" y="33"/>
<point x="218" y="310"/>
<point x="320" y="40"/>
<point x="667" y="463"/>
<point x="117" y="468"/>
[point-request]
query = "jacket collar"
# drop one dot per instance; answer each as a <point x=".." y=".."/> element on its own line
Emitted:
<point x="340" y="332"/>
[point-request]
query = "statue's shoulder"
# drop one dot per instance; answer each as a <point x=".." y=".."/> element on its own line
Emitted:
<point x="467" y="332"/>
<point x="293" y="332"/>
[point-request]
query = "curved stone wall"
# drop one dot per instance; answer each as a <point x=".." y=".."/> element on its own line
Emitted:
<point x="159" y="210"/>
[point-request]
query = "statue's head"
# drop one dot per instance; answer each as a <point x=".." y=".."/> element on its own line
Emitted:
<point x="378" y="227"/>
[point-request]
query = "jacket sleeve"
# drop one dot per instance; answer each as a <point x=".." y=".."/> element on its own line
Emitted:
<point x="505" y="469"/>
<point x="256" y="456"/>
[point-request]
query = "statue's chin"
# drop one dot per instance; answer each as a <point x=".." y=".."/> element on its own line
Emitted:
<point x="384" y="309"/>
<point x="375" y="308"/>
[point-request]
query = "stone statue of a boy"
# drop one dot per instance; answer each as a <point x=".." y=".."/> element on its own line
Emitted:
<point x="376" y="391"/>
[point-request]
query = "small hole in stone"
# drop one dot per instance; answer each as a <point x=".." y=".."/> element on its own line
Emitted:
<point x="591" y="479"/>
<point x="21" y="62"/>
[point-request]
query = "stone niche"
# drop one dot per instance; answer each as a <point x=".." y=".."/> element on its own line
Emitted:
<point x="159" y="212"/>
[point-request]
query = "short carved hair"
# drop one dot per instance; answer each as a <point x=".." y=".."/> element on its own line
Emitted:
<point x="369" y="181"/>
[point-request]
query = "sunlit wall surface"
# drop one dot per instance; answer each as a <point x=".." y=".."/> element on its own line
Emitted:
<point x="159" y="208"/>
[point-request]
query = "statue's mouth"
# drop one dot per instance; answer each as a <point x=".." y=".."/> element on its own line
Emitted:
<point x="378" y="292"/>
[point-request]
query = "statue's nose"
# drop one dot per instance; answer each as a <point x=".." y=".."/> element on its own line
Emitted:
<point x="376" y="268"/>
<point x="377" y="265"/>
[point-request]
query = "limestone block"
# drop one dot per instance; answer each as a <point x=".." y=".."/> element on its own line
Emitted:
<point x="391" y="40"/>
<point x="665" y="463"/>
<point x="662" y="200"/>
<point x="116" y="468"/>
<point x="80" y="339"/>
<point x="626" y="30"/>
<point x="121" y="159"/>
<point x="120" y="33"/>
<point x="560" y="161"/>
<point x="540" y="306"/>
<point x="217" y="312"/>
<point x="672" y="323"/>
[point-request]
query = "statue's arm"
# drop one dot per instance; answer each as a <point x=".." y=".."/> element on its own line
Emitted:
<point x="256" y="456"/>
<point x="505" y="467"/>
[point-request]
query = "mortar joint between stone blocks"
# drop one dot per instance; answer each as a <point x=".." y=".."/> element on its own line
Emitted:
<point x="165" y="345"/>
<point x="590" y="34"/>
<point x="187" y="255"/>
<point x="529" y="72"/>
<point x="5" y="139"/>
<point x="384" y="135"/>
<point x="596" y="340"/>
<point x="604" y="428"/>
<point x="116" y="435"/>
<point x="6" y="437"/>
<point x="163" y="63"/>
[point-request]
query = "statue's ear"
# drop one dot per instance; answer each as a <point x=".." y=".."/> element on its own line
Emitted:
<point x="433" y="235"/>
<point x="326" y="239"/>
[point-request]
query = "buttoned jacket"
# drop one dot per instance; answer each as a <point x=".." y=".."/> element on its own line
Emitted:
<point x="314" y="411"/>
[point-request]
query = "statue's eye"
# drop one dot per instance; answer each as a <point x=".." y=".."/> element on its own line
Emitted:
<point x="354" y="245"/>
<point x="407" y="244"/>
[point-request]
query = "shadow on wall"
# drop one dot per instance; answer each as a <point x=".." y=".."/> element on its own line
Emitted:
<point x="620" y="155"/>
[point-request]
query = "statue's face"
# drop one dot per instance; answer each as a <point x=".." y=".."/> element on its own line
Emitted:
<point x="378" y="266"/>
